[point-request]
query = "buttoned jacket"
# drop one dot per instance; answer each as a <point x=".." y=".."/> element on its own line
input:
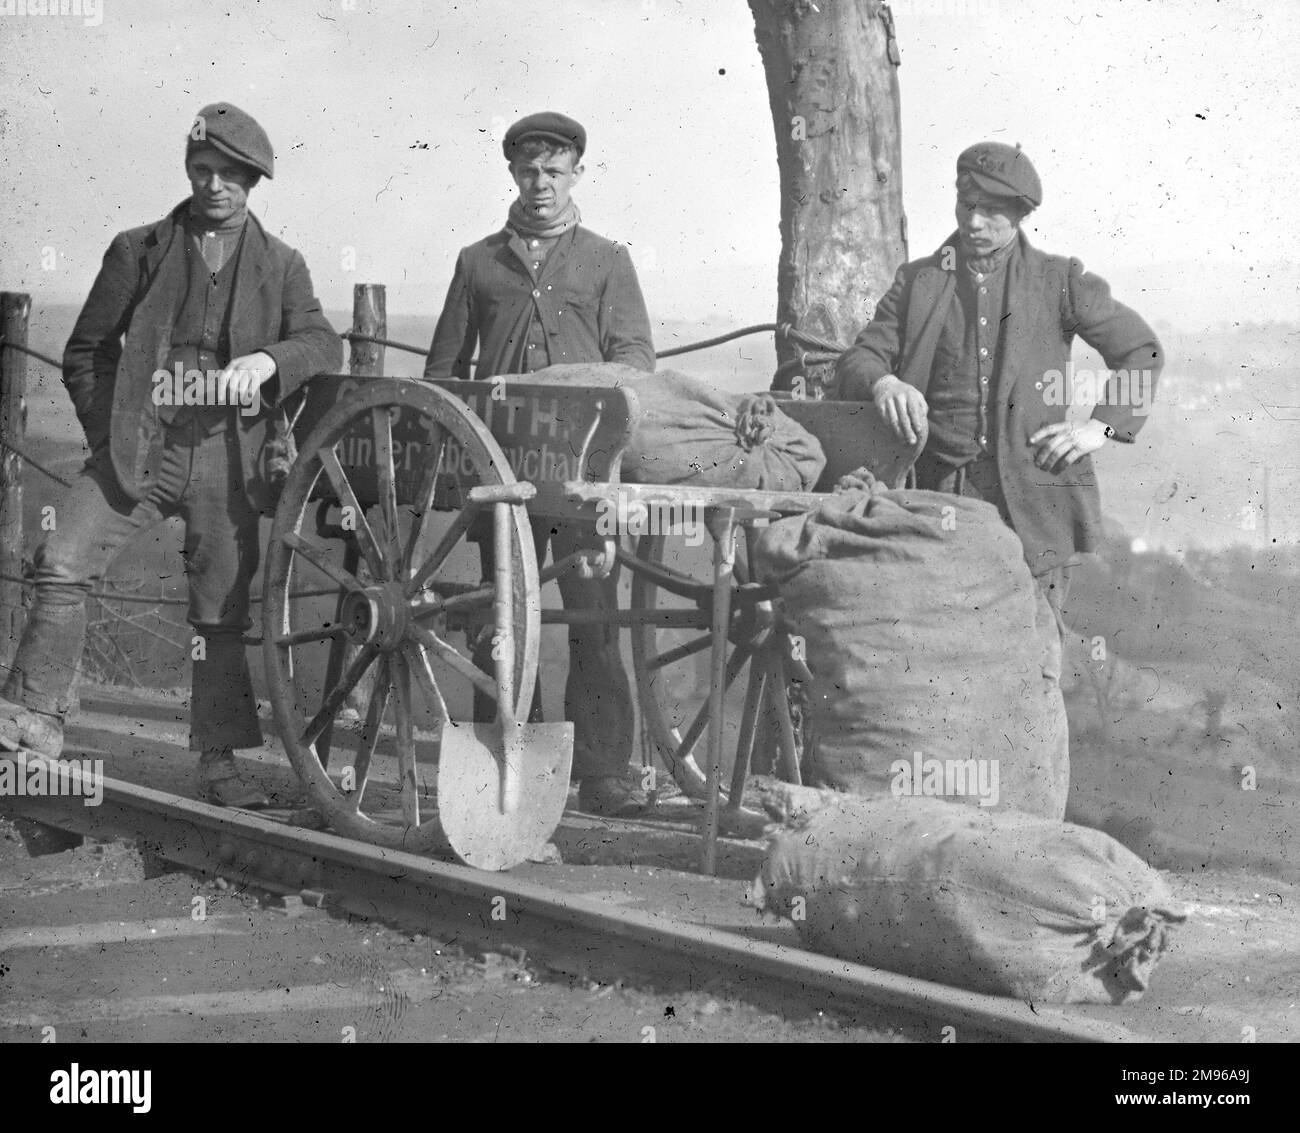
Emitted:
<point x="585" y="296"/>
<point x="1050" y="300"/>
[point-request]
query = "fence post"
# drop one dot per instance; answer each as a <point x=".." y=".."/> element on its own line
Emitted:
<point x="369" y="317"/>
<point x="15" y="306"/>
<point x="365" y="360"/>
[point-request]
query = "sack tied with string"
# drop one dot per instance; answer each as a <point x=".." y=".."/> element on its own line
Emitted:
<point x="929" y="646"/>
<point x="993" y="901"/>
<point x="691" y="433"/>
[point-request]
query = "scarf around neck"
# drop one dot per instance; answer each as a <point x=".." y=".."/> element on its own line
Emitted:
<point x="518" y="221"/>
<point x="991" y="262"/>
<point x="216" y="242"/>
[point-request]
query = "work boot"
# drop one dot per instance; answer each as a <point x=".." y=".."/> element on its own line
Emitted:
<point x="306" y="816"/>
<point x="23" y="729"/>
<point x="220" y="785"/>
<point x="610" y="796"/>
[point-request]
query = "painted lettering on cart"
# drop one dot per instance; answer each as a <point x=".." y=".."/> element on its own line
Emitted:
<point x="527" y="462"/>
<point x="521" y="417"/>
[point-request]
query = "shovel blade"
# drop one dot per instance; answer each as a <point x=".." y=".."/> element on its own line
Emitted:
<point x="481" y="831"/>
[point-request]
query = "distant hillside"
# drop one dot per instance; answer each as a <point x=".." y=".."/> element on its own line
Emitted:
<point x="1216" y="465"/>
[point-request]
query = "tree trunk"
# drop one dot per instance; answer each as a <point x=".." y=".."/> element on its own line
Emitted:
<point x="833" y="88"/>
<point x="14" y="310"/>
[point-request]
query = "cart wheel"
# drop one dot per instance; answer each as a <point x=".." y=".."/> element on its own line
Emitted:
<point x="374" y="457"/>
<point x="671" y="664"/>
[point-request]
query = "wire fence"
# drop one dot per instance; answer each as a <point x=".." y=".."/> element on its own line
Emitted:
<point x="110" y="630"/>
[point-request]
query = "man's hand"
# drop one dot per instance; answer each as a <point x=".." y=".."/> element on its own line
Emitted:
<point x="902" y="406"/>
<point x="1065" y="442"/>
<point x="239" y="382"/>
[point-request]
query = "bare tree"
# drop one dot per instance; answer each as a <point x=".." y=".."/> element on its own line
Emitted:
<point x="833" y="87"/>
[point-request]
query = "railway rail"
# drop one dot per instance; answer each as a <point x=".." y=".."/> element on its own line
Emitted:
<point x="505" y="913"/>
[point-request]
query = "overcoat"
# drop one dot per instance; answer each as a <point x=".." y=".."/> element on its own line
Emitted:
<point x="124" y="333"/>
<point x="1050" y="300"/>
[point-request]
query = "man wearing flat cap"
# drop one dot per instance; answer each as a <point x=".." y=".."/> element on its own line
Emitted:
<point x="541" y="292"/>
<point x="197" y="327"/>
<point x="974" y="342"/>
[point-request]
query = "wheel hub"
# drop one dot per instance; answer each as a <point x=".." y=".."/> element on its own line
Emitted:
<point x="751" y="624"/>
<point x="376" y="615"/>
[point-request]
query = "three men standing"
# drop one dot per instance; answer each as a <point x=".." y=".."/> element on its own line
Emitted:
<point x="967" y="343"/>
<point x="974" y="341"/>
<point x="207" y="293"/>
<point x="541" y="292"/>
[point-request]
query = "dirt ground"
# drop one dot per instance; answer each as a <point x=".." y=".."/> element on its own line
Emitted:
<point x="93" y="948"/>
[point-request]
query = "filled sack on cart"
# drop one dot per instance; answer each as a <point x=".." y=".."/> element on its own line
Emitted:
<point x="692" y="433"/>
<point x="996" y="902"/>
<point x="935" y="662"/>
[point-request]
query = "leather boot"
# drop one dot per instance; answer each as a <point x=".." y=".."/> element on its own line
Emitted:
<point x="220" y="785"/>
<point x="610" y="796"/>
<point x="22" y="729"/>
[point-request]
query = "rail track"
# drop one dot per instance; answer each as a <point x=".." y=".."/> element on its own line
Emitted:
<point x="503" y="913"/>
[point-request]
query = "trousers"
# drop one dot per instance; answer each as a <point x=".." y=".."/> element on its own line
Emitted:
<point x="201" y="481"/>
<point x="979" y="480"/>
<point x="597" y="694"/>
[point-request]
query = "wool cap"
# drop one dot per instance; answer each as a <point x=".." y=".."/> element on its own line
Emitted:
<point x="235" y="133"/>
<point x="548" y="124"/>
<point x="1001" y="170"/>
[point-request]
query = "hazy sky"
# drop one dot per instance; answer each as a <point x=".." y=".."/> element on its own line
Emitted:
<point x="1165" y="134"/>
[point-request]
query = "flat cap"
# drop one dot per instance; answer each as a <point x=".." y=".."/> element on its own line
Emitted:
<point x="235" y="133"/>
<point x="548" y="124"/>
<point x="1001" y="170"/>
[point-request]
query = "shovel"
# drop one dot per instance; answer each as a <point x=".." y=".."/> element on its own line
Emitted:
<point x="502" y="786"/>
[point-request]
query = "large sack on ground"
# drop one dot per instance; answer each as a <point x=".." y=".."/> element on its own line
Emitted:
<point x="935" y="661"/>
<point x="996" y="902"/>
<point x="692" y="433"/>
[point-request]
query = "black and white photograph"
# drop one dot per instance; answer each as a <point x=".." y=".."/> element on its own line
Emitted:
<point x="650" y="521"/>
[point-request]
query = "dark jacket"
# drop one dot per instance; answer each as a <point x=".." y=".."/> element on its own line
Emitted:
<point x="124" y="333"/>
<point x="1050" y="299"/>
<point x="586" y="297"/>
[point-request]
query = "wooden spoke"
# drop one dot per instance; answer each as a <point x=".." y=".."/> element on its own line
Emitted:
<point x="445" y="588"/>
<point x="754" y="691"/>
<point x="735" y="663"/>
<point x="469" y="599"/>
<point x="427" y="569"/>
<point x="382" y="419"/>
<point x="333" y="701"/>
<point x="405" y="741"/>
<point x="672" y="656"/>
<point x="375" y="556"/>
<point x="422" y="669"/>
<point x="453" y="658"/>
<point x="423" y="505"/>
<point x="370" y="732"/>
<point x="315" y="555"/>
<point x="307" y="636"/>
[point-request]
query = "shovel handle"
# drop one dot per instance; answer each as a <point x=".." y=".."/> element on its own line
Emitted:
<point x="503" y="648"/>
